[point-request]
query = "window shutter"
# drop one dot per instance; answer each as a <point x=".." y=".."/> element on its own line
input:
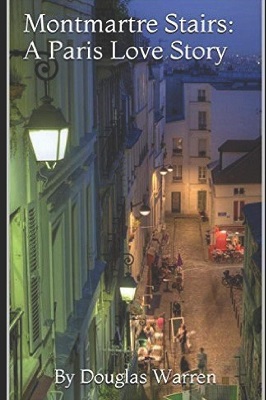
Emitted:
<point x="33" y="278"/>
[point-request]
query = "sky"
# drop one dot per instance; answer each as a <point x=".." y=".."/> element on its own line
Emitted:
<point x="246" y="16"/>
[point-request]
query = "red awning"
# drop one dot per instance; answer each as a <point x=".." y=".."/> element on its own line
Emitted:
<point x="232" y="229"/>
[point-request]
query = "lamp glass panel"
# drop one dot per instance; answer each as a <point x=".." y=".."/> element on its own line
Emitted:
<point x="144" y="212"/>
<point x="49" y="145"/>
<point x="62" y="143"/>
<point x="127" y="294"/>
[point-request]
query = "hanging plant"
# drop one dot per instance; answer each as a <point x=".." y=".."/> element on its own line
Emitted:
<point x="136" y="308"/>
<point x="16" y="91"/>
<point x="16" y="88"/>
<point x="135" y="224"/>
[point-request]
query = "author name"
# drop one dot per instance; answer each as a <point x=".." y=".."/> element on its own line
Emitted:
<point x="119" y="380"/>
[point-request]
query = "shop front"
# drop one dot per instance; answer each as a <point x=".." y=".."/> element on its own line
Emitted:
<point x="227" y="241"/>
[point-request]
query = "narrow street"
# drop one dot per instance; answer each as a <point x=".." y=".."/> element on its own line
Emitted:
<point x="206" y="305"/>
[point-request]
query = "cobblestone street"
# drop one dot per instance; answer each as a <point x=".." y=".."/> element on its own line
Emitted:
<point x="206" y="304"/>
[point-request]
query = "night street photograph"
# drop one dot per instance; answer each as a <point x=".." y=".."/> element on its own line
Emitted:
<point x="135" y="200"/>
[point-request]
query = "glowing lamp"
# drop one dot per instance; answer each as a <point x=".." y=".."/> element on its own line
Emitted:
<point x="48" y="132"/>
<point x="128" y="288"/>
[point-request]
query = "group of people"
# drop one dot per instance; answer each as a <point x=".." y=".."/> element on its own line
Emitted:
<point x="183" y="338"/>
<point x="202" y="363"/>
<point x="151" y="329"/>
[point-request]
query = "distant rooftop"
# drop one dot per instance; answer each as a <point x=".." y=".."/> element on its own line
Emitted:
<point x="175" y="81"/>
<point x="240" y="171"/>
<point x="238" y="146"/>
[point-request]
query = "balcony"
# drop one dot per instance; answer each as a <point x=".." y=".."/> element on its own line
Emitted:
<point x="177" y="152"/>
<point x="201" y="98"/>
<point x="177" y="178"/>
<point x="202" y="180"/>
<point x="202" y="153"/>
<point x="202" y="127"/>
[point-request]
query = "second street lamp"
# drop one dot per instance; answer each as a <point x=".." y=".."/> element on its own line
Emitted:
<point x="164" y="170"/>
<point x="143" y="210"/>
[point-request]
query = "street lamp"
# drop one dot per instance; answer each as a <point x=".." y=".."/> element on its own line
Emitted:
<point x="128" y="288"/>
<point x="164" y="169"/>
<point x="143" y="210"/>
<point x="47" y="127"/>
<point x="128" y="284"/>
<point x="48" y="132"/>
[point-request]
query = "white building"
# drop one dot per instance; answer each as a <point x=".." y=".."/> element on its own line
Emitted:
<point x="201" y="111"/>
<point x="235" y="182"/>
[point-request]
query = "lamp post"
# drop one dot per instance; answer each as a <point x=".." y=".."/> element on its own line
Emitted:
<point x="47" y="127"/>
<point x="128" y="288"/>
<point x="163" y="171"/>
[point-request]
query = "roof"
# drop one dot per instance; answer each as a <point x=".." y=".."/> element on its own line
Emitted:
<point x="238" y="146"/>
<point x="240" y="171"/>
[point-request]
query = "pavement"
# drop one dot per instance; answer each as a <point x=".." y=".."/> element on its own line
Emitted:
<point x="208" y="308"/>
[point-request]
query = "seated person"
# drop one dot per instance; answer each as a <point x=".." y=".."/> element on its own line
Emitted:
<point x="149" y="333"/>
<point x="142" y="353"/>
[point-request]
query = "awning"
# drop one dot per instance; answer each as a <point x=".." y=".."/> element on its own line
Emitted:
<point x="232" y="229"/>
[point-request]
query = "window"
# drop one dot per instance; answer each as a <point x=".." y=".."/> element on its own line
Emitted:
<point x="239" y="191"/>
<point x="178" y="146"/>
<point x="34" y="287"/>
<point x="201" y="95"/>
<point x="202" y="147"/>
<point x="177" y="173"/>
<point x="238" y="210"/>
<point x="202" y="120"/>
<point x="202" y="174"/>
<point x="222" y="214"/>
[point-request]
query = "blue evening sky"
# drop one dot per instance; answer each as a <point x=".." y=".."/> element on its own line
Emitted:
<point x="246" y="15"/>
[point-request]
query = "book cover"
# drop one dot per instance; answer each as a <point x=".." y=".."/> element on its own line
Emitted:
<point x="135" y="200"/>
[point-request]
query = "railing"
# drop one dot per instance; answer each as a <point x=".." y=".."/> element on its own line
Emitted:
<point x="15" y="332"/>
<point x="202" y="127"/>
<point x="178" y="151"/>
<point x="201" y="98"/>
<point x="129" y="390"/>
<point x="207" y="392"/>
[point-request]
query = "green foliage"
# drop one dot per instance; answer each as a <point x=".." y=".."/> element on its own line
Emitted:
<point x="113" y="10"/>
<point x="108" y="392"/>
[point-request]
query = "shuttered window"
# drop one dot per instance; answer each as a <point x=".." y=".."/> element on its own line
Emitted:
<point x="33" y="278"/>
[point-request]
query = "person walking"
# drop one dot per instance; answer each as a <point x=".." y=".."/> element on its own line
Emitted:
<point x="176" y="309"/>
<point x="184" y="367"/>
<point x="202" y="361"/>
<point x="182" y="337"/>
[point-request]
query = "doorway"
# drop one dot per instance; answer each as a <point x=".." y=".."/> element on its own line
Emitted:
<point x="176" y="202"/>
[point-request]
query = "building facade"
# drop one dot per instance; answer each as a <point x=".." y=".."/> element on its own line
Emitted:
<point x="55" y="270"/>
<point x="197" y="116"/>
<point x="250" y="362"/>
<point x="233" y="185"/>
